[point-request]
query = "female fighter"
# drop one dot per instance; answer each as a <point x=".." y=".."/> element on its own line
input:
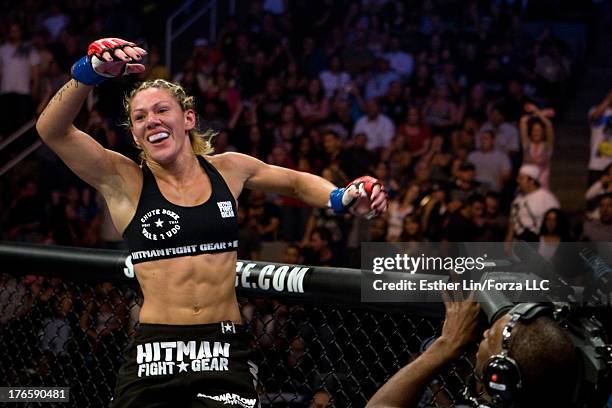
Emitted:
<point x="177" y="213"/>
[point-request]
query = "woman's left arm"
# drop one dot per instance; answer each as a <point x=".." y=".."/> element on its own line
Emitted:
<point x="309" y="188"/>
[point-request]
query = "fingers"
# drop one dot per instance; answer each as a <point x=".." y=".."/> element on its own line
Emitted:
<point x="354" y="193"/>
<point x="134" y="52"/>
<point x="378" y="199"/>
<point x="106" y="56"/>
<point x="116" y="49"/>
<point x="446" y="298"/>
<point x="122" y="55"/>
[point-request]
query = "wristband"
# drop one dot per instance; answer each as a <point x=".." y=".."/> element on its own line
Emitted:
<point x="335" y="201"/>
<point x="83" y="72"/>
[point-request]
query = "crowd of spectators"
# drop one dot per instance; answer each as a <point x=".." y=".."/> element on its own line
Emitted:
<point x="442" y="102"/>
<point x="451" y="104"/>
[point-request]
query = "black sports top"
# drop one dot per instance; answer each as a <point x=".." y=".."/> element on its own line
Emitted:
<point x="161" y="229"/>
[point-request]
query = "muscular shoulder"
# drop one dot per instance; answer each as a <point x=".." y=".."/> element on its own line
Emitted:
<point x="225" y="159"/>
<point x="235" y="164"/>
<point x="236" y="168"/>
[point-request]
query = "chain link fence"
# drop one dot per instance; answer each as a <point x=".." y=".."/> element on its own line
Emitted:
<point x="56" y="332"/>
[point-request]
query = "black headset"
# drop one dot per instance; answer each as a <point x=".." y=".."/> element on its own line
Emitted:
<point x="501" y="375"/>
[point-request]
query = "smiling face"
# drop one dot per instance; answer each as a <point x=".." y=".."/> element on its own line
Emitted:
<point x="159" y="125"/>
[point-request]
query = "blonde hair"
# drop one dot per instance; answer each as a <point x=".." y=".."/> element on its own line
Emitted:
<point x="201" y="142"/>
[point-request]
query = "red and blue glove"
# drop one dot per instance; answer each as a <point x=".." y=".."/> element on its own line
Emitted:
<point x="365" y="196"/>
<point x="108" y="58"/>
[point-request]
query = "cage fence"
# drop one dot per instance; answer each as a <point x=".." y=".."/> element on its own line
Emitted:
<point x="59" y="332"/>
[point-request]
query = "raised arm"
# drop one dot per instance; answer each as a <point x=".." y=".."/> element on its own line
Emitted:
<point x="601" y="108"/>
<point x="548" y="126"/>
<point x="97" y="166"/>
<point x="524" y="130"/>
<point x="544" y="116"/>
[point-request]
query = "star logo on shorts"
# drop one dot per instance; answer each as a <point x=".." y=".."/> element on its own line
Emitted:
<point x="159" y="223"/>
<point x="182" y="367"/>
<point x="228" y="327"/>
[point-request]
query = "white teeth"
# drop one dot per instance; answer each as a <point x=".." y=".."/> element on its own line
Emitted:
<point x="158" y="136"/>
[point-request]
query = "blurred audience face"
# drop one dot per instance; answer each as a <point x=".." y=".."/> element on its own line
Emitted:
<point x="381" y="172"/>
<point x="496" y="117"/>
<point x="257" y="198"/>
<point x="317" y="242"/>
<point x="273" y="87"/>
<point x="395" y="90"/>
<point x="331" y="143"/>
<point x="342" y="108"/>
<point x="242" y="43"/>
<point x="437" y="143"/>
<point x="15" y="33"/>
<point x="411" y="226"/>
<point x="372" y="109"/>
<point x="288" y="114"/>
<point x="297" y="349"/>
<point x="477" y="91"/>
<point x="525" y="183"/>
<point x="308" y="45"/>
<point x="605" y="210"/>
<point x="320" y="400"/>
<point x="486" y="141"/>
<point x="378" y="230"/>
<point x="412" y="116"/>
<point x="305" y="146"/>
<point x="314" y="88"/>
<point x="515" y="88"/>
<point x="291" y="255"/>
<point x="335" y="64"/>
<point x="412" y="193"/>
<point x="550" y="221"/>
<point x="260" y="59"/>
<point x="421" y="171"/>
<point x="278" y="156"/>
<point x="361" y="140"/>
<point x="466" y="175"/>
<point x="30" y="189"/>
<point x="491" y="205"/>
<point x="478" y="208"/>
<point x="537" y="132"/>
<point x="327" y="174"/>
<point x="254" y="134"/>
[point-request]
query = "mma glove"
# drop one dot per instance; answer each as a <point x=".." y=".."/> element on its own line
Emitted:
<point x="343" y="200"/>
<point x="94" y="69"/>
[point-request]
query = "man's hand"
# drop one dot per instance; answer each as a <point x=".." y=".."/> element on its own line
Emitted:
<point x="108" y="58"/>
<point x="365" y="196"/>
<point x="460" y="324"/>
<point x="406" y="387"/>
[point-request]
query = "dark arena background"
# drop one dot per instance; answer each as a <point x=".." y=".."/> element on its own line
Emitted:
<point x="417" y="93"/>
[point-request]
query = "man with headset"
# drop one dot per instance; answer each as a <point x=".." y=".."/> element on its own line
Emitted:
<point x="524" y="360"/>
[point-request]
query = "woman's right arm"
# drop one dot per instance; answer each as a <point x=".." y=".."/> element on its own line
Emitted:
<point x="99" y="167"/>
<point x="90" y="161"/>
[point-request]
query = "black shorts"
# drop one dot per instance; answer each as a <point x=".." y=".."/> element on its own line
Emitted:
<point x="187" y="366"/>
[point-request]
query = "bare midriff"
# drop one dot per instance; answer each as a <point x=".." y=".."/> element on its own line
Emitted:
<point x="189" y="290"/>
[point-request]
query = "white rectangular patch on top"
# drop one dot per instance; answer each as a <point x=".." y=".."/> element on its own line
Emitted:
<point x="225" y="208"/>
